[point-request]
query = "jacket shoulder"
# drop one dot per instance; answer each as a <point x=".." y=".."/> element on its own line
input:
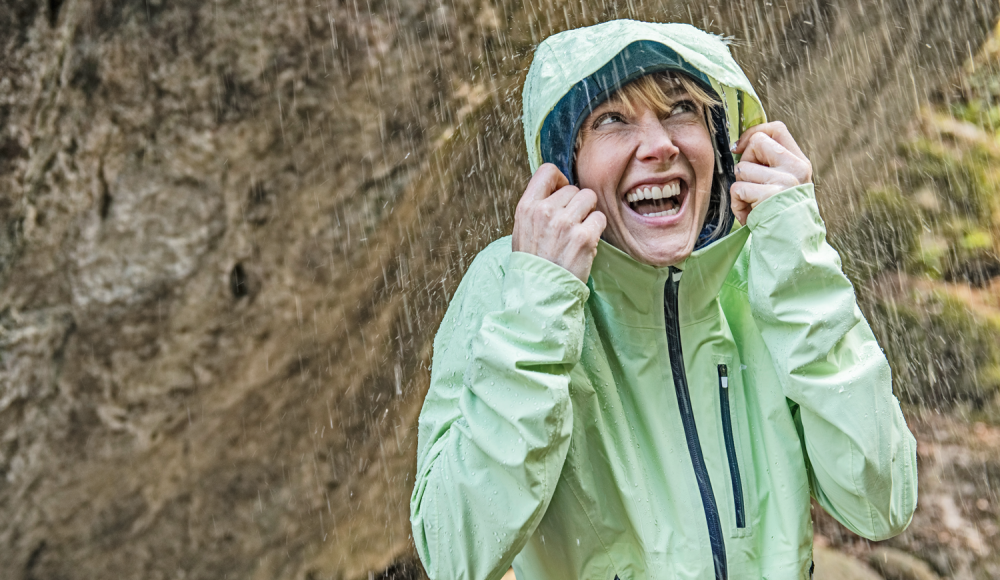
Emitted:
<point x="487" y="269"/>
<point x="493" y="256"/>
<point x="481" y="286"/>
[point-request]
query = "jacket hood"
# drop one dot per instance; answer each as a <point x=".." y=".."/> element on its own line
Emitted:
<point x="575" y="71"/>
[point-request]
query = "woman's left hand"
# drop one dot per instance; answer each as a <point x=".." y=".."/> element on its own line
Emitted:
<point x="771" y="162"/>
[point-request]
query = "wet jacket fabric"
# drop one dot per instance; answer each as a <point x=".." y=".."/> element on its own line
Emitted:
<point x="658" y="422"/>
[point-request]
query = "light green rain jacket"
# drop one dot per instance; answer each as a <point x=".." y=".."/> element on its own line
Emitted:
<point x="568" y="432"/>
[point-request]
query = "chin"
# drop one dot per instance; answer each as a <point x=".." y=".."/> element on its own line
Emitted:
<point x="660" y="258"/>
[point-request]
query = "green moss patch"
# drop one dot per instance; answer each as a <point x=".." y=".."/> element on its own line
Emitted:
<point x="940" y="349"/>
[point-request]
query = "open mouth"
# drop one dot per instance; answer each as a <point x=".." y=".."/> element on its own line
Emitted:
<point x="656" y="200"/>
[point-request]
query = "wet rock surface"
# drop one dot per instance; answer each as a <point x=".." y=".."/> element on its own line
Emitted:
<point x="833" y="565"/>
<point x="898" y="565"/>
<point x="228" y="231"/>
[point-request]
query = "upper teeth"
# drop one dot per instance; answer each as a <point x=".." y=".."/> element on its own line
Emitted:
<point x="672" y="189"/>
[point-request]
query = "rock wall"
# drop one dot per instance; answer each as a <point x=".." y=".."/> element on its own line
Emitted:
<point x="228" y="230"/>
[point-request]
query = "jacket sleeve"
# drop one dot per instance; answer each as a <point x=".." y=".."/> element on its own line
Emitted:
<point x="495" y="427"/>
<point x="860" y="454"/>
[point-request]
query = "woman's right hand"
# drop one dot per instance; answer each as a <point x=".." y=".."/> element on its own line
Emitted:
<point x="558" y="222"/>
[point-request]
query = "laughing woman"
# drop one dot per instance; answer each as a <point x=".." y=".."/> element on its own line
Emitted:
<point x="630" y="385"/>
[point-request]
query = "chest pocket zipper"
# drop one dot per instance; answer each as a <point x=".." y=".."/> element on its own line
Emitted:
<point x="727" y="431"/>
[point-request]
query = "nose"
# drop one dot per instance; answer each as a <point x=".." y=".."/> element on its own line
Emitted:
<point x="655" y="142"/>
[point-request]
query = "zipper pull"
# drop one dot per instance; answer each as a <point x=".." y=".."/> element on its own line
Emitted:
<point x="724" y="376"/>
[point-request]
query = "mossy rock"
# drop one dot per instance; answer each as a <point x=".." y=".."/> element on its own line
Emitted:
<point x="885" y="236"/>
<point x="940" y="350"/>
<point x="964" y="174"/>
<point x="940" y="221"/>
<point x="979" y="112"/>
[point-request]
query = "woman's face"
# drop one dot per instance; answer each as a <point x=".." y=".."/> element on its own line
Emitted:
<point x="630" y="160"/>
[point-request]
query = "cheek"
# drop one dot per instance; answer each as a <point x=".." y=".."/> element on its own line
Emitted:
<point x="600" y="165"/>
<point x="700" y="153"/>
<point x="702" y="160"/>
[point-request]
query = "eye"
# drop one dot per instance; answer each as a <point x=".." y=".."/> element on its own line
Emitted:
<point x="681" y="107"/>
<point x="608" y="118"/>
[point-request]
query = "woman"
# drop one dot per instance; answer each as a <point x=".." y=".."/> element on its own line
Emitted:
<point x="629" y="387"/>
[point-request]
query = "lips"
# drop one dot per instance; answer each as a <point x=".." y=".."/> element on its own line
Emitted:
<point x="656" y="200"/>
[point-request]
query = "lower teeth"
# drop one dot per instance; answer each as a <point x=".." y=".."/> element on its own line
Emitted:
<point x="663" y="213"/>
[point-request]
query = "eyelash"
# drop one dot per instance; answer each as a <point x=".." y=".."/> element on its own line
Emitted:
<point x="692" y="108"/>
<point x="600" y="120"/>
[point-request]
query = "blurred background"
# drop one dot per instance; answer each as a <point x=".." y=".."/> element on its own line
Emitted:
<point x="229" y="229"/>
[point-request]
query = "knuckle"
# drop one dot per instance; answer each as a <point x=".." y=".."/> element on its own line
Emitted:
<point x="803" y="168"/>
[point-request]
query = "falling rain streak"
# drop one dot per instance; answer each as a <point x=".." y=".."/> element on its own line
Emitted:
<point x="231" y="229"/>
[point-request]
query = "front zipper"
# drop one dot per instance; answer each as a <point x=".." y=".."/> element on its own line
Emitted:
<point x="673" y="329"/>
<point x="727" y="430"/>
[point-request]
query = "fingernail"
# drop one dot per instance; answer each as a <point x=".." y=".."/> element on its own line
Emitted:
<point x="732" y="147"/>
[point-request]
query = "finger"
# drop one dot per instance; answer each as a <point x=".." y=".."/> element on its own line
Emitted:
<point x="546" y="180"/>
<point x="753" y="193"/>
<point x="740" y="208"/>
<point x="562" y="197"/>
<point x="755" y="173"/>
<point x="775" y="130"/>
<point x="595" y="224"/>
<point x="763" y="150"/>
<point x="742" y="215"/>
<point x="581" y="205"/>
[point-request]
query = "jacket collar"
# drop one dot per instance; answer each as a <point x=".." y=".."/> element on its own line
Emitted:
<point x="632" y="292"/>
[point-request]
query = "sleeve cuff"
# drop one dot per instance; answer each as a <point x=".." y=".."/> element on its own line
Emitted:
<point x="548" y="271"/>
<point x="777" y="203"/>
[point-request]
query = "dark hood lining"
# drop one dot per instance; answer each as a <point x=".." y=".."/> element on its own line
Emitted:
<point x="561" y="125"/>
